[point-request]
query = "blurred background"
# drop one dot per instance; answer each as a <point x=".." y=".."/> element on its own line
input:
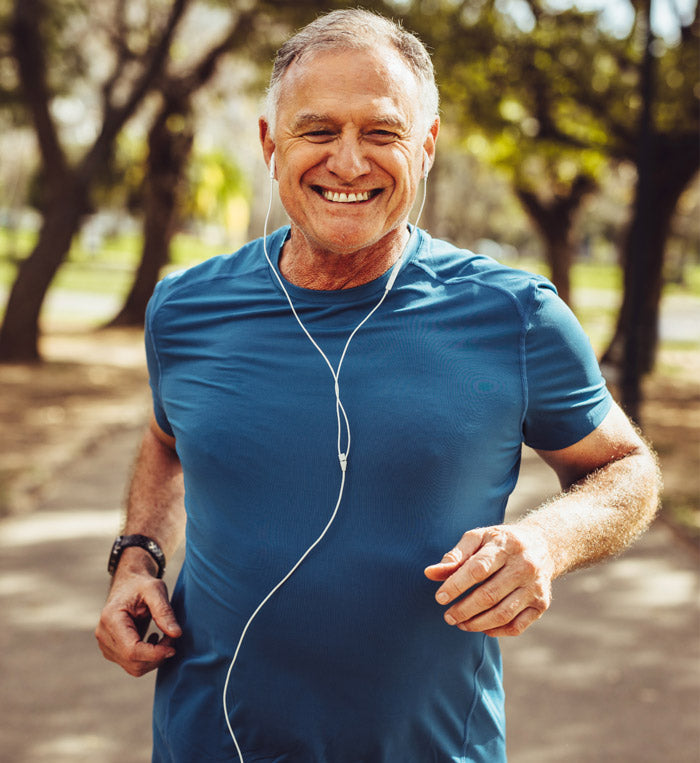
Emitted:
<point x="569" y="146"/>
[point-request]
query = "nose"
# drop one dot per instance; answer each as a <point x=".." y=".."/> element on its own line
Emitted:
<point x="347" y="160"/>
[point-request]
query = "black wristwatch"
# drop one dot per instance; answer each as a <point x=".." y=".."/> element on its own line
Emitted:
<point x="142" y="541"/>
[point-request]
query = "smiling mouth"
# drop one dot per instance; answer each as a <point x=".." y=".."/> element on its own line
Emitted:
<point x="346" y="198"/>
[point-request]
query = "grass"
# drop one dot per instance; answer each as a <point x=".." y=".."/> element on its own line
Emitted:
<point x="108" y="272"/>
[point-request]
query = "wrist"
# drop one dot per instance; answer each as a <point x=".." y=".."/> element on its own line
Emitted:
<point x="136" y="561"/>
<point x="538" y="542"/>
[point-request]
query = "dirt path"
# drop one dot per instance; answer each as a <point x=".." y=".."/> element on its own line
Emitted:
<point x="612" y="672"/>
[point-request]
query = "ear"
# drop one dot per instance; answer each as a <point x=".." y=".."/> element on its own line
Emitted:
<point x="429" y="146"/>
<point x="268" y="145"/>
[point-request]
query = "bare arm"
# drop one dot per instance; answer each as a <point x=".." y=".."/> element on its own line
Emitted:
<point x="156" y="509"/>
<point x="611" y="486"/>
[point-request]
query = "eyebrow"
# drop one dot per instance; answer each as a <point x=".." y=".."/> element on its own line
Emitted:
<point x="306" y="120"/>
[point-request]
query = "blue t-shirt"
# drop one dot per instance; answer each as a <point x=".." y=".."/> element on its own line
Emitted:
<point x="350" y="661"/>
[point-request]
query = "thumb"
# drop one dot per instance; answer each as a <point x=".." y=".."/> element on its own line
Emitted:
<point x="446" y="566"/>
<point x="163" y="615"/>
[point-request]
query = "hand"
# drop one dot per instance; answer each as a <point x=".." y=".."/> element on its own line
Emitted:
<point x="509" y="572"/>
<point x="135" y="598"/>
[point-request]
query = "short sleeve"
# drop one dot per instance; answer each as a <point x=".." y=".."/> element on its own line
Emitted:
<point x="566" y="394"/>
<point x="153" y="362"/>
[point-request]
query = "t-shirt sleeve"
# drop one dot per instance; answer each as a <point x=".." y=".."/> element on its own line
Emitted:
<point x="566" y="394"/>
<point x="153" y="362"/>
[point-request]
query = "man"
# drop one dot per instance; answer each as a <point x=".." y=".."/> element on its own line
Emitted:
<point x="345" y="415"/>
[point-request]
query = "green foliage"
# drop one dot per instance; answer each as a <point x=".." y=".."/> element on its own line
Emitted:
<point x="550" y="82"/>
<point x="219" y="191"/>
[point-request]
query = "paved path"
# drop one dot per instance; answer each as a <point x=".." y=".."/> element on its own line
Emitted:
<point x="612" y="673"/>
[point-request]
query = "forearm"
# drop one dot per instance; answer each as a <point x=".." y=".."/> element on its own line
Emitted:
<point x="155" y="508"/>
<point x="611" y="489"/>
<point x="155" y="505"/>
<point x="599" y="515"/>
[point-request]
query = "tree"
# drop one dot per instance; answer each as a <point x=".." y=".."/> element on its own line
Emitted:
<point x="556" y="81"/>
<point x="67" y="182"/>
<point x="554" y="219"/>
<point x="169" y="144"/>
<point x="665" y="148"/>
<point x="504" y="80"/>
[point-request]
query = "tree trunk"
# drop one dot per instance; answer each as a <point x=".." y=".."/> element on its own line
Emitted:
<point x="559" y="255"/>
<point x="19" y="334"/>
<point x="554" y="221"/>
<point x="665" y="165"/>
<point x="674" y="166"/>
<point x="169" y="151"/>
<point x="68" y="186"/>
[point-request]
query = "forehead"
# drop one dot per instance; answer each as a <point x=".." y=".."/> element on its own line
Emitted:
<point x="376" y="82"/>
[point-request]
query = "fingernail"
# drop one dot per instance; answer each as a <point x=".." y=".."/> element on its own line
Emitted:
<point x="450" y="620"/>
<point x="442" y="598"/>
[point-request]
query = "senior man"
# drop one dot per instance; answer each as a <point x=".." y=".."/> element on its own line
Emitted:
<point x="347" y="399"/>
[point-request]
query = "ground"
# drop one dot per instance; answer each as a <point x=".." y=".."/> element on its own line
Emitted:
<point x="93" y="383"/>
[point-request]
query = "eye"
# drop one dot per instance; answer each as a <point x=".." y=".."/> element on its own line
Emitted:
<point x="319" y="136"/>
<point x="382" y="136"/>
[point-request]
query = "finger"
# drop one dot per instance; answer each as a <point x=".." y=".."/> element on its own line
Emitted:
<point x="478" y="616"/>
<point x="508" y="587"/>
<point x="478" y="568"/>
<point x="518" y="625"/>
<point x="469" y="544"/>
<point x="120" y="641"/>
<point x="161" y="611"/>
<point x="445" y="567"/>
<point x="146" y="657"/>
<point x="139" y="657"/>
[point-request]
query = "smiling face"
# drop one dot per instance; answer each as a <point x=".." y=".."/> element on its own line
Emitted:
<point x="349" y="150"/>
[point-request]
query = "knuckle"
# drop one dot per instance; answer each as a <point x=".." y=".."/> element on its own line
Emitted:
<point x="488" y="597"/>
<point x="480" y="568"/>
<point x="511" y="610"/>
<point x="500" y="536"/>
<point x="529" y="567"/>
<point x="515" y="628"/>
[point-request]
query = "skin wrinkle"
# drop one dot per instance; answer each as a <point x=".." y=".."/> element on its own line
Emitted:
<point x="334" y="245"/>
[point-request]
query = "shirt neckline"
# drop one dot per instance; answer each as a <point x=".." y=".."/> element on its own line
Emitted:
<point x="276" y="241"/>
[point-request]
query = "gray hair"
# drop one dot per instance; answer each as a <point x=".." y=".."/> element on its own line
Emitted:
<point x="355" y="29"/>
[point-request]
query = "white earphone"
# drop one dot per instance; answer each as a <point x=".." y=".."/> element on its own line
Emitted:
<point x="426" y="164"/>
<point x="272" y="166"/>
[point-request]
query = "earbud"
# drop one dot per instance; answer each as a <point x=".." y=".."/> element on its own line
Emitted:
<point x="272" y="166"/>
<point x="426" y="164"/>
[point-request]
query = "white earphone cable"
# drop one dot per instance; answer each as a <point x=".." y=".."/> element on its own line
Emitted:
<point x="341" y="416"/>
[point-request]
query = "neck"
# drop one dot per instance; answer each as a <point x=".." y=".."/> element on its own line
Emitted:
<point x="312" y="267"/>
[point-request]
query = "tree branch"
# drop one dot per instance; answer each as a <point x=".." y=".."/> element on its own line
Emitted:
<point x="116" y="116"/>
<point x="28" y="49"/>
<point x="239" y="30"/>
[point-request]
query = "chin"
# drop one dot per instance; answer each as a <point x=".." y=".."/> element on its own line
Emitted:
<point x="342" y="240"/>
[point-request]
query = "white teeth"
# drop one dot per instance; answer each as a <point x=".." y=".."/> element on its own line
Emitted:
<point x="345" y="197"/>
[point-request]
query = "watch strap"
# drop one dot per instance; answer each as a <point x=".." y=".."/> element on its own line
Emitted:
<point x="142" y="541"/>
